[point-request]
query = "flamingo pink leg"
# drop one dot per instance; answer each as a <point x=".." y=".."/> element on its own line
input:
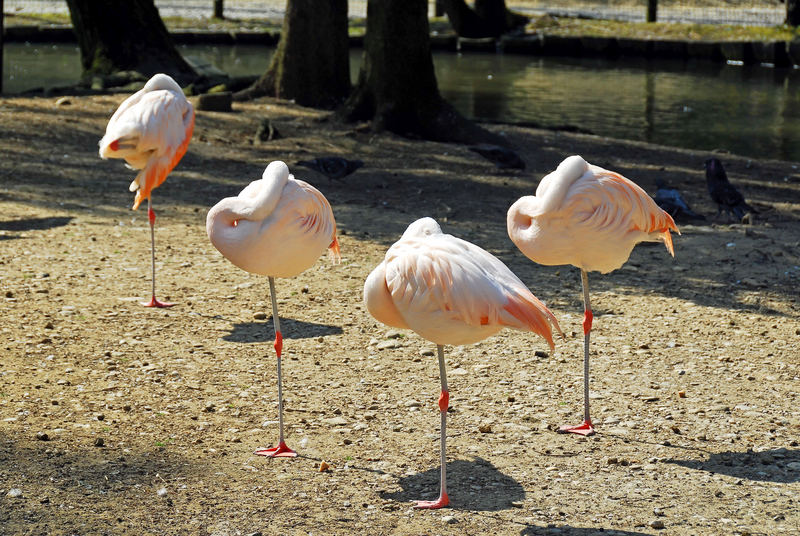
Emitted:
<point x="281" y="450"/>
<point x="585" y="428"/>
<point x="444" y="403"/>
<point x="151" y="215"/>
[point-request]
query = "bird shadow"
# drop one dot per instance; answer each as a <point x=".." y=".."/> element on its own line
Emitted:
<point x="774" y="465"/>
<point x="248" y="332"/>
<point x="32" y="224"/>
<point x="475" y="485"/>
<point x="566" y="530"/>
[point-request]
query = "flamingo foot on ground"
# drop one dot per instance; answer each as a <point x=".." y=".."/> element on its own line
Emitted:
<point x="155" y="303"/>
<point x="441" y="502"/>
<point x="281" y="451"/>
<point x="584" y="429"/>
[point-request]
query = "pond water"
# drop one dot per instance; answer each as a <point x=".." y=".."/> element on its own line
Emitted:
<point x="749" y="110"/>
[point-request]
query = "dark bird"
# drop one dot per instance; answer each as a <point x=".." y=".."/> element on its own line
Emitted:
<point x="723" y="193"/>
<point x="671" y="201"/>
<point x="333" y="167"/>
<point x="502" y="157"/>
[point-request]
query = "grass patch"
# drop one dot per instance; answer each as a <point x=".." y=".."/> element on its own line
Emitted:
<point x="546" y="24"/>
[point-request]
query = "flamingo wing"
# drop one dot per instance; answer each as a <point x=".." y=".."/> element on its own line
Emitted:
<point x="151" y="131"/>
<point x="443" y="282"/>
<point x="608" y="203"/>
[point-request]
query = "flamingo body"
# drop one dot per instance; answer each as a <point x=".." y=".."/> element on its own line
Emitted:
<point x="588" y="217"/>
<point x="277" y="226"/>
<point x="150" y="130"/>
<point x="450" y="292"/>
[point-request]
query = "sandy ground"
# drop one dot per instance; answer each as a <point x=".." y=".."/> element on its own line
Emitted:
<point x="117" y="419"/>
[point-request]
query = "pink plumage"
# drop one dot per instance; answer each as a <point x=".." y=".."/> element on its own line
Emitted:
<point x="588" y="217"/>
<point x="151" y="130"/>
<point x="277" y="226"/>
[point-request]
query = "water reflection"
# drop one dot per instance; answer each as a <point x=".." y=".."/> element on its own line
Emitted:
<point x="700" y="105"/>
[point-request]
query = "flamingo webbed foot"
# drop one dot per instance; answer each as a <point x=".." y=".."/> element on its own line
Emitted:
<point x="155" y="303"/>
<point x="441" y="502"/>
<point x="281" y="451"/>
<point x="584" y="429"/>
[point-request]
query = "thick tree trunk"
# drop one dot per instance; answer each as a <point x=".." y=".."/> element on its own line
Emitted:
<point x="793" y="12"/>
<point x="125" y="36"/>
<point x="490" y="18"/>
<point x="397" y="87"/>
<point x="312" y="62"/>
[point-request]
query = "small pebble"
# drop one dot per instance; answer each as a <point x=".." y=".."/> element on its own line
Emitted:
<point x="323" y="467"/>
<point x="260" y="315"/>
<point x="485" y="428"/>
<point x="42" y="436"/>
<point x="541" y="353"/>
<point x="656" y="524"/>
<point x="14" y="493"/>
<point x="99" y="442"/>
<point x="449" y="519"/>
<point x="162" y="492"/>
<point x="681" y="394"/>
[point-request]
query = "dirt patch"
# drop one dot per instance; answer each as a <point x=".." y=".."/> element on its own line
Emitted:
<point x="150" y="416"/>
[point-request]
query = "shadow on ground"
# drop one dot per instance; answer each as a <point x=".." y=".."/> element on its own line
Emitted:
<point x="290" y="329"/>
<point x="475" y="485"/>
<point x="775" y="465"/>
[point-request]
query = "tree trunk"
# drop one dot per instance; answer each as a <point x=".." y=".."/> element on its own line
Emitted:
<point x="490" y="18"/>
<point x="397" y="87"/>
<point x="218" y="9"/>
<point x="125" y="36"/>
<point x="312" y="62"/>
<point x="2" y="13"/>
<point x="793" y="12"/>
<point x="652" y="10"/>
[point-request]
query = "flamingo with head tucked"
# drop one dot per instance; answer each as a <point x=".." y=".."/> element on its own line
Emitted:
<point x="591" y="218"/>
<point x="151" y="130"/>
<point x="450" y="291"/>
<point x="277" y="226"/>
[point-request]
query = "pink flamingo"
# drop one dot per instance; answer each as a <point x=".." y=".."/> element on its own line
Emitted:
<point x="450" y="291"/>
<point x="151" y="130"/>
<point x="591" y="218"/>
<point x="277" y="226"/>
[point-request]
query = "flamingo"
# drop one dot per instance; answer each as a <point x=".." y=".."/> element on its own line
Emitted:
<point x="277" y="226"/>
<point x="591" y="218"/>
<point x="450" y="291"/>
<point x="151" y="130"/>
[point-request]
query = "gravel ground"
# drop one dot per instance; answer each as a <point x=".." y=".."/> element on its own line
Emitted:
<point x="116" y="419"/>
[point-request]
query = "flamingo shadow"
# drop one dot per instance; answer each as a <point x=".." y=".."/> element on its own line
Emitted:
<point x="251" y="332"/>
<point x="775" y="465"/>
<point x="32" y="224"/>
<point x="475" y="485"/>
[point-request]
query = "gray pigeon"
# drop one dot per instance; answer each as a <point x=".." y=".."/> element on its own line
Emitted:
<point x="671" y="201"/>
<point x="333" y="167"/>
<point x="502" y="157"/>
<point x="723" y="193"/>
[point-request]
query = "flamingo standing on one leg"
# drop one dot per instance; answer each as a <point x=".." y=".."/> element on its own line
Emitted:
<point x="277" y="226"/>
<point x="151" y="130"/>
<point x="591" y="218"/>
<point x="450" y="292"/>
